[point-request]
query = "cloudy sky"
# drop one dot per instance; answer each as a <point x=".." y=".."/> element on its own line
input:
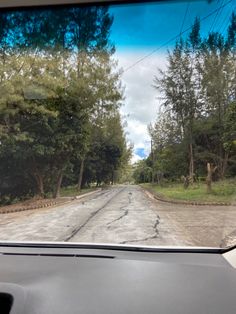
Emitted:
<point x="137" y="31"/>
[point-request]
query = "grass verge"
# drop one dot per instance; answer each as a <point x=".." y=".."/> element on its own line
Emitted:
<point x="222" y="191"/>
<point x="71" y="191"/>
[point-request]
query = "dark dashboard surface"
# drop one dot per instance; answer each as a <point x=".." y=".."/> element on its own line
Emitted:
<point x="115" y="281"/>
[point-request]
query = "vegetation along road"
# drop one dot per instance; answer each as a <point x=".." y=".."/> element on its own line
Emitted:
<point x="123" y="214"/>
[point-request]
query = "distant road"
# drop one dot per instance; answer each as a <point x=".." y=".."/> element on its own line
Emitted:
<point x="125" y="215"/>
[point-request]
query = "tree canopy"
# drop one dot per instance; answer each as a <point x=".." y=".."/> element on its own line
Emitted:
<point x="60" y="99"/>
<point x="196" y="122"/>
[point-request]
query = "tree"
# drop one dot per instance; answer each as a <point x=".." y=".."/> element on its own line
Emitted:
<point x="177" y="86"/>
<point x="142" y="172"/>
<point x="210" y="171"/>
<point x="57" y="74"/>
<point x="229" y="136"/>
<point x="198" y="99"/>
<point x="108" y="152"/>
<point x="169" y="152"/>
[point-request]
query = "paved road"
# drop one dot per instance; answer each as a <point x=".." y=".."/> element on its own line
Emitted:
<point x="126" y="215"/>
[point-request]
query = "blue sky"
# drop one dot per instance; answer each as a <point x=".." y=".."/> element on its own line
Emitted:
<point x="140" y="152"/>
<point x="151" y="24"/>
<point x="137" y="30"/>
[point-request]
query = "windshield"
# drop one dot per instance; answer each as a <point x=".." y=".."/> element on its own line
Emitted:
<point x="118" y="123"/>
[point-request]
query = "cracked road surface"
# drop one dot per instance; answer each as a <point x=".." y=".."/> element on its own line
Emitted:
<point x="125" y="215"/>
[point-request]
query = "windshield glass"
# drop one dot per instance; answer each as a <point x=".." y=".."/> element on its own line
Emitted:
<point x="118" y="123"/>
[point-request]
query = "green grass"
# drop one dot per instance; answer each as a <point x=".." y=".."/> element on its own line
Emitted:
<point x="222" y="191"/>
<point x="71" y="191"/>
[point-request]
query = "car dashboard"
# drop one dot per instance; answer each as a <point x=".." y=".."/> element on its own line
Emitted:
<point x="60" y="278"/>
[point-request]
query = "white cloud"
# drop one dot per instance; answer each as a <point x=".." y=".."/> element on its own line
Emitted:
<point x="141" y="103"/>
<point x="135" y="158"/>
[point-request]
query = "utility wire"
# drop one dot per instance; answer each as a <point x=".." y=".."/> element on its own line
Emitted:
<point x="227" y="21"/>
<point x="220" y="13"/>
<point x="185" y="15"/>
<point x="231" y="9"/>
<point x="215" y="18"/>
<point x="174" y="38"/>
<point x="225" y="27"/>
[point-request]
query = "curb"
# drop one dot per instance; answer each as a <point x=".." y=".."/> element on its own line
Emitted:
<point x="51" y="203"/>
<point x="85" y="194"/>
<point x="33" y="207"/>
<point x="193" y="203"/>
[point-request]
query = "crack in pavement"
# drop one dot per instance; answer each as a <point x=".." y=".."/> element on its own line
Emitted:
<point x="155" y="236"/>
<point x="121" y="216"/>
<point x="76" y="230"/>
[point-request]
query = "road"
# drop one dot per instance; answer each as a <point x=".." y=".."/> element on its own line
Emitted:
<point x="124" y="215"/>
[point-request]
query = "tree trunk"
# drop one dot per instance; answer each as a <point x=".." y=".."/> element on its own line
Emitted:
<point x="81" y="171"/>
<point x="58" y="185"/>
<point x="210" y="171"/>
<point x="186" y="181"/>
<point x="152" y="152"/>
<point x="112" y="177"/>
<point x="224" y="165"/>
<point x="191" y="163"/>
<point x="209" y="178"/>
<point x="39" y="181"/>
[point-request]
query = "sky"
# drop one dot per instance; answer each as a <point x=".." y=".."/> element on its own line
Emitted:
<point x="138" y="30"/>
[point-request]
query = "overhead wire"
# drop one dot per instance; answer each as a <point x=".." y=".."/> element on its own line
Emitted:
<point x="185" y="15"/>
<point x="225" y="20"/>
<point x="174" y="38"/>
<point x="217" y="13"/>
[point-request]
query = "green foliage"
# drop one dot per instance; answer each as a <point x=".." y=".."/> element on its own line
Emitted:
<point x="196" y="123"/>
<point x="229" y="136"/>
<point x="72" y="191"/>
<point x="142" y="172"/>
<point x="108" y="152"/>
<point x="58" y="80"/>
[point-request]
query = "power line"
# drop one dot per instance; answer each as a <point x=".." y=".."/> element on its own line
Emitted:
<point x="225" y="27"/>
<point x="220" y="16"/>
<point x="220" y="13"/>
<point x="227" y="21"/>
<point x="173" y="38"/>
<point x="215" y="18"/>
<point x="226" y="16"/>
<point x="185" y="15"/>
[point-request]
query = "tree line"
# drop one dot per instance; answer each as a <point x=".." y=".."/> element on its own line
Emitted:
<point x="60" y="97"/>
<point x="194" y="135"/>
